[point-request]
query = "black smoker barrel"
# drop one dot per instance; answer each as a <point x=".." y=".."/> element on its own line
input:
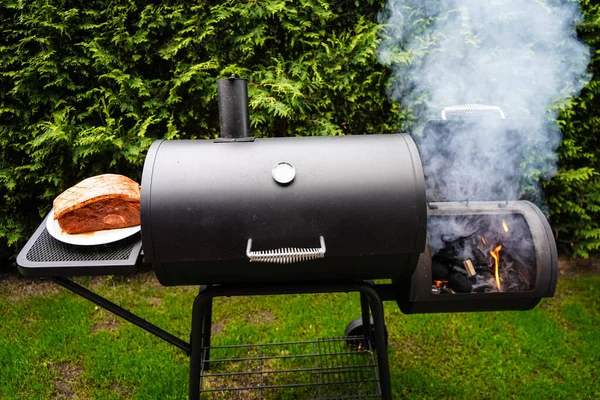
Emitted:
<point x="349" y="207"/>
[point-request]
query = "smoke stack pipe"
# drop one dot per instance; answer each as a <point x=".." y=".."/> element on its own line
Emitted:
<point x="233" y="107"/>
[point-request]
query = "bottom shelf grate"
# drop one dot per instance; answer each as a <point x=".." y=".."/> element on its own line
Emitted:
<point x="322" y="369"/>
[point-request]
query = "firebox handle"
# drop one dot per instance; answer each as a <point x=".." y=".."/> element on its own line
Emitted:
<point x="471" y="109"/>
<point x="286" y="255"/>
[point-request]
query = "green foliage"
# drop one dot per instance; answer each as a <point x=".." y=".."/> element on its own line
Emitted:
<point x="574" y="193"/>
<point x="87" y="86"/>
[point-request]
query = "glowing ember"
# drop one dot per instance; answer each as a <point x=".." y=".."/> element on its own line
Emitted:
<point x="483" y="240"/>
<point x="496" y="256"/>
<point x="504" y="226"/>
<point x="439" y="284"/>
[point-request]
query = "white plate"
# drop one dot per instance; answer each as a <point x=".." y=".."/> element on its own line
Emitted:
<point x="89" y="238"/>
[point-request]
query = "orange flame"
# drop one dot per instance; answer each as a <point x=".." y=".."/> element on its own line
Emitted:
<point x="483" y="240"/>
<point x="496" y="256"/>
<point x="439" y="283"/>
<point x="504" y="226"/>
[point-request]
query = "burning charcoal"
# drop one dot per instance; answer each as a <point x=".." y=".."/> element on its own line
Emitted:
<point x="445" y="255"/>
<point x="487" y="282"/>
<point x="439" y="271"/>
<point x="459" y="270"/>
<point x="486" y="275"/>
<point x="480" y="269"/>
<point x="474" y="242"/>
<point x="524" y="272"/>
<point x="480" y="257"/>
<point x="439" y="257"/>
<point x="459" y="283"/>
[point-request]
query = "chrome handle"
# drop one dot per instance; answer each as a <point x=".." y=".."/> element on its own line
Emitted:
<point x="471" y="109"/>
<point x="286" y="255"/>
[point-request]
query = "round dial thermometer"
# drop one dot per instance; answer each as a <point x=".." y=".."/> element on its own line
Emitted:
<point x="283" y="173"/>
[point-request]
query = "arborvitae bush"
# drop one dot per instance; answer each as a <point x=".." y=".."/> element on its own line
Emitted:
<point x="86" y="86"/>
<point x="574" y="193"/>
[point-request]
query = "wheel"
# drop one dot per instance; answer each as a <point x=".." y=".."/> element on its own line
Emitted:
<point x="355" y="328"/>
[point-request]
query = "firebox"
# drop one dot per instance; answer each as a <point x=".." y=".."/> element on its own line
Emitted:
<point x="486" y="250"/>
<point x="482" y="256"/>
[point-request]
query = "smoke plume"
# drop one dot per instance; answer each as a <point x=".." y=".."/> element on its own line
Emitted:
<point x="520" y="55"/>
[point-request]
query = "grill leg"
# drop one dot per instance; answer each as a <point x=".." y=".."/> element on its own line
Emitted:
<point x="206" y="332"/>
<point x="366" y="317"/>
<point x="199" y="339"/>
<point x="376" y="304"/>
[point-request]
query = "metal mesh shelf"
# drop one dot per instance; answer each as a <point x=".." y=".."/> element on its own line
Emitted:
<point x="49" y="250"/>
<point x="321" y="369"/>
<point x="44" y="256"/>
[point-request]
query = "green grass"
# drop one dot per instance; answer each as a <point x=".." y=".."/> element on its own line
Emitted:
<point x="57" y="344"/>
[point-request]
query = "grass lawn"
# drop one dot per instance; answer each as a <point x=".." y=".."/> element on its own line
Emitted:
<point x="54" y="344"/>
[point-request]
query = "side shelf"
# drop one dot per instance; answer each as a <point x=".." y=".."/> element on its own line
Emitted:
<point x="44" y="257"/>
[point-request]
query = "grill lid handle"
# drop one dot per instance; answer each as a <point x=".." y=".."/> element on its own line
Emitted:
<point x="286" y="255"/>
<point x="470" y="110"/>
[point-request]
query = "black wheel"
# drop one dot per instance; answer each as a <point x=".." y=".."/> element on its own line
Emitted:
<point x="355" y="331"/>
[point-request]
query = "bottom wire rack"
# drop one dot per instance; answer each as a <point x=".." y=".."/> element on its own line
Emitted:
<point x="337" y="368"/>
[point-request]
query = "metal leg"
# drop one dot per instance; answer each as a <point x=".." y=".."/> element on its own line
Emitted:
<point x="379" y="338"/>
<point x="206" y="333"/>
<point x="201" y="311"/>
<point x="366" y="317"/>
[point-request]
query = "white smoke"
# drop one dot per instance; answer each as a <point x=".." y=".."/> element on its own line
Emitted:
<point x="520" y="55"/>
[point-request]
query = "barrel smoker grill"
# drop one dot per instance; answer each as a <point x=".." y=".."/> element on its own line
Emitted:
<point x="245" y="216"/>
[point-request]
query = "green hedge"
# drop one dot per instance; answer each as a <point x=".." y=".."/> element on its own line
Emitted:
<point x="85" y="87"/>
<point x="574" y="193"/>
